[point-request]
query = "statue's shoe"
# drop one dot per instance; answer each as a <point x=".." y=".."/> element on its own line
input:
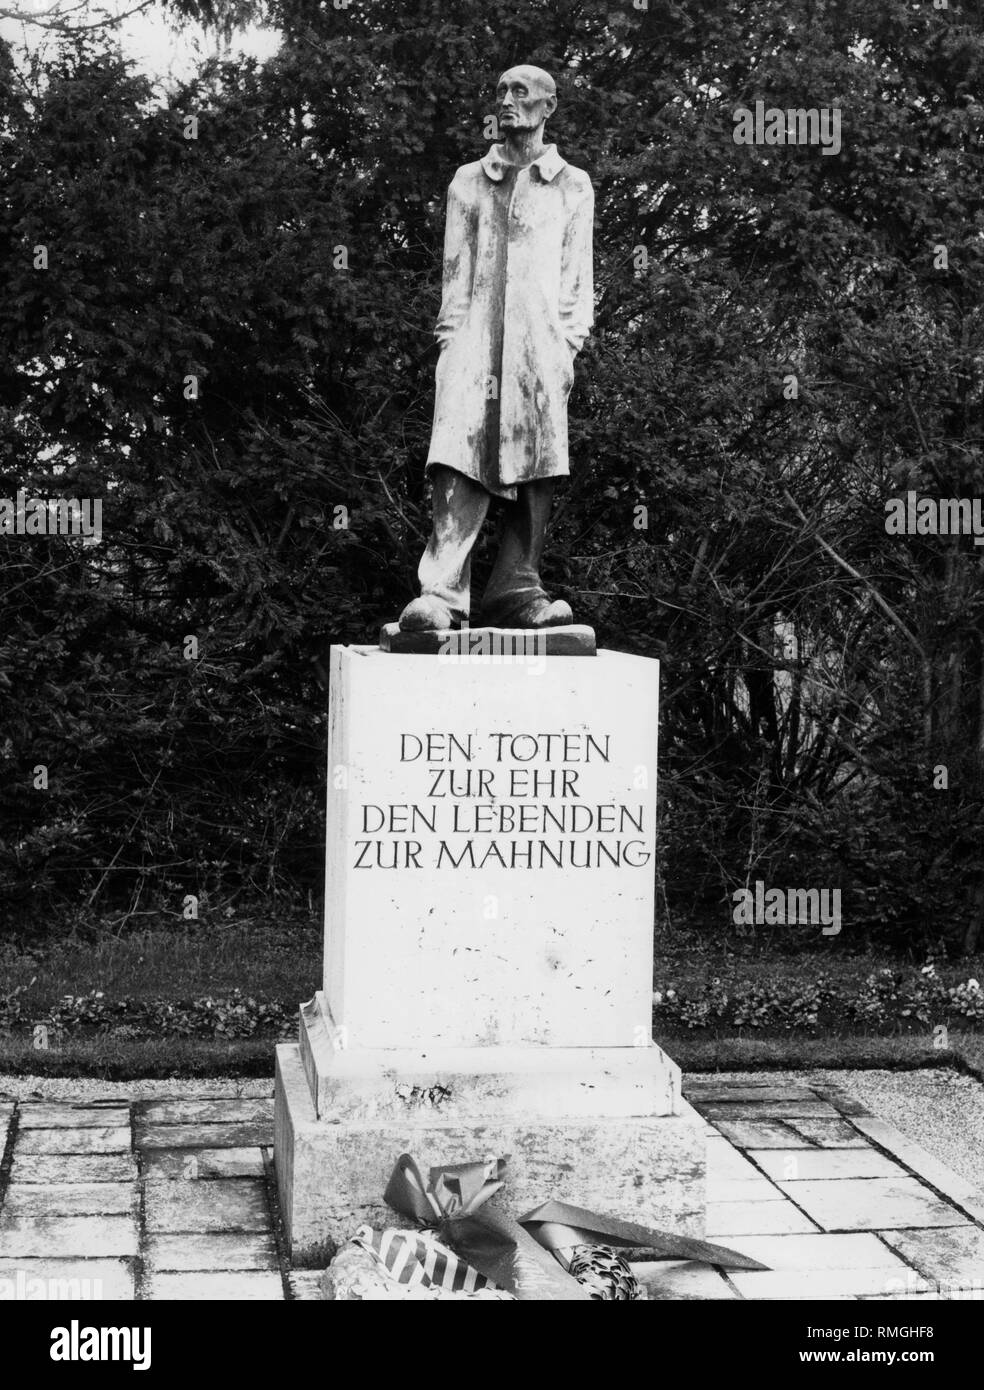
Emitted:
<point x="539" y="612"/>
<point x="426" y="614"/>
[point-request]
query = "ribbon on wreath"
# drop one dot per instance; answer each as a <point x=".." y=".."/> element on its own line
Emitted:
<point x="454" y="1202"/>
<point x="558" y="1226"/>
<point x="526" y="1257"/>
<point x="419" y="1260"/>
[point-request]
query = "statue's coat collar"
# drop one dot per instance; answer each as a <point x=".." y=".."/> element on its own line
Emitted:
<point x="548" y="166"/>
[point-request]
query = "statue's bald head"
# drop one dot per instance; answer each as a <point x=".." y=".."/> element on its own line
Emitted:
<point x="534" y="77"/>
<point x="525" y="96"/>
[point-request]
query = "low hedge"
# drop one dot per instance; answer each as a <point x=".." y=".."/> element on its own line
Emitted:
<point x="234" y="1015"/>
<point x="887" y="1000"/>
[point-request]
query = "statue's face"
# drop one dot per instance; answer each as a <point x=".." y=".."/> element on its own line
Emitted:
<point x="524" y="99"/>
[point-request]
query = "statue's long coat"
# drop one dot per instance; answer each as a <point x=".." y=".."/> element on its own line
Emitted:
<point x="517" y="305"/>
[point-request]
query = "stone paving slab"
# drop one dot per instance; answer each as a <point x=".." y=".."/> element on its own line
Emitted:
<point x="70" y="1199"/>
<point x="758" y="1189"/>
<point x="305" y="1285"/>
<point x="682" y="1279"/>
<point x="829" y="1134"/>
<point x="817" y="1283"/>
<point x="725" y="1163"/>
<point x="78" y="1280"/>
<point x="762" y="1134"/>
<point x="104" y="1140"/>
<point x="769" y="1110"/>
<point x="214" y="1251"/>
<point x="844" y="1103"/>
<point x="46" y="1116"/>
<point x="73" y="1168"/>
<point x="850" y="1173"/>
<point x="904" y="1297"/>
<point x="226" y="1204"/>
<point x="838" y="1204"/>
<point x="711" y="1091"/>
<point x="936" y="1107"/>
<point x="205" y="1136"/>
<point x="68" y="1237"/>
<point x="228" y="1286"/>
<point x="180" y="1112"/>
<point x="794" y="1165"/>
<point x="871" y="1204"/>
<point x="948" y="1183"/>
<point x="765" y="1133"/>
<point x="164" y="1165"/>
<point x="726" y="1219"/>
<point x="903" y="1286"/>
<point x="952" y="1256"/>
<point x="860" y="1250"/>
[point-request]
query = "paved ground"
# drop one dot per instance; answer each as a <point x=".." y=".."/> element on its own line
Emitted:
<point x="174" y="1198"/>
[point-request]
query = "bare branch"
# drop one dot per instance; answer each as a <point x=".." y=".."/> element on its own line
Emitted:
<point x="56" y="17"/>
<point x="889" y="612"/>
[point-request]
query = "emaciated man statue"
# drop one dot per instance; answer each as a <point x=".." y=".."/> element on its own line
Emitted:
<point x="516" y="308"/>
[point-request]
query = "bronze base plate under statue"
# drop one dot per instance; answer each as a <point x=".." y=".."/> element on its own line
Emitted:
<point x="575" y="639"/>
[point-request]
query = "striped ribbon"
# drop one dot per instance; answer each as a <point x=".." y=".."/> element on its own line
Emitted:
<point x="420" y="1260"/>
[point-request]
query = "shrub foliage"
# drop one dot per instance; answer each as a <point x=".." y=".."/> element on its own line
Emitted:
<point x="817" y="671"/>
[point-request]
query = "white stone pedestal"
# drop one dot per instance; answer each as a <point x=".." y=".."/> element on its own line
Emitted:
<point x="488" y="945"/>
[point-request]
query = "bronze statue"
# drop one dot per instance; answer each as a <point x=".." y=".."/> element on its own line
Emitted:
<point x="516" y="308"/>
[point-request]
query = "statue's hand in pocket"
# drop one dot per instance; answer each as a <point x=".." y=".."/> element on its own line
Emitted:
<point x="571" y="354"/>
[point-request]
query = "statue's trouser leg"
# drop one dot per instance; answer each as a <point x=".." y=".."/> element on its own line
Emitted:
<point x="515" y="579"/>
<point x="460" y="507"/>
